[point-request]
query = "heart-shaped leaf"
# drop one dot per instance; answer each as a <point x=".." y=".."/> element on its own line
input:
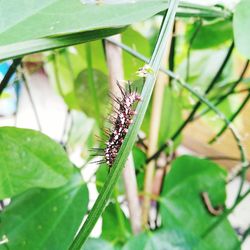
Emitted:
<point x="30" y="159"/>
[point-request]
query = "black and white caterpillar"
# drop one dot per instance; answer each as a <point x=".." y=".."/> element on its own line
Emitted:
<point x="120" y="120"/>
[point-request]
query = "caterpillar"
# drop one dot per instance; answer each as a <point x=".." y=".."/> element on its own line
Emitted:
<point x="120" y="120"/>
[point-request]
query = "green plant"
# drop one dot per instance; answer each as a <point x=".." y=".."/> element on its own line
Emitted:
<point x="49" y="199"/>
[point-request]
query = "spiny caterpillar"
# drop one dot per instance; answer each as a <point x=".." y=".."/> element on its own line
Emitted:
<point x="121" y="121"/>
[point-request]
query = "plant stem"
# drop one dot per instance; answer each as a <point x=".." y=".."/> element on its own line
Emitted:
<point x="130" y="138"/>
<point x="197" y="29"/>
<point x="231" y="119"/>
<point x="171" y="61"/>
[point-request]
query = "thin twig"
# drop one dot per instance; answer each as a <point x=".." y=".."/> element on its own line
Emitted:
<point x="64" y="136"/>
<point x="171" y="59"/>
<point x="9" y="74"/>
<point x="245" y="235"/>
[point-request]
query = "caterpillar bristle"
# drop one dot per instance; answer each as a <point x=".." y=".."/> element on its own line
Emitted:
<point x="121" y="88"/>
<point x="98" y="162"/>
<point x="96" y="149"/>
<point x="129" y="88"/>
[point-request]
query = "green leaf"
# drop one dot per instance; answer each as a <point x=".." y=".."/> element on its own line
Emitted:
<point x="82" y="133"/>
<point x="55" y="18"/>
<point x="51" y="24"/>
<point x="67" y="72"/>
<point x="139" y="157"/>
<point x="207" y="62"/>
<point x="94" y="244"/>
<point x="139" y="43"/>
<point x="45" y="219"/>
<point x="211" y="34"/>
<point x="30" y="159"/>
<point x="102" y="175"/>
<point x="171" y="117"/>
<point x="82" y="91"/>
<point x="182" y="205"/>
<point x="241" y="24"/>
<point x="111" y="228"/>
<point x="19" y="49"/>
<point x="166" y="239"/>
